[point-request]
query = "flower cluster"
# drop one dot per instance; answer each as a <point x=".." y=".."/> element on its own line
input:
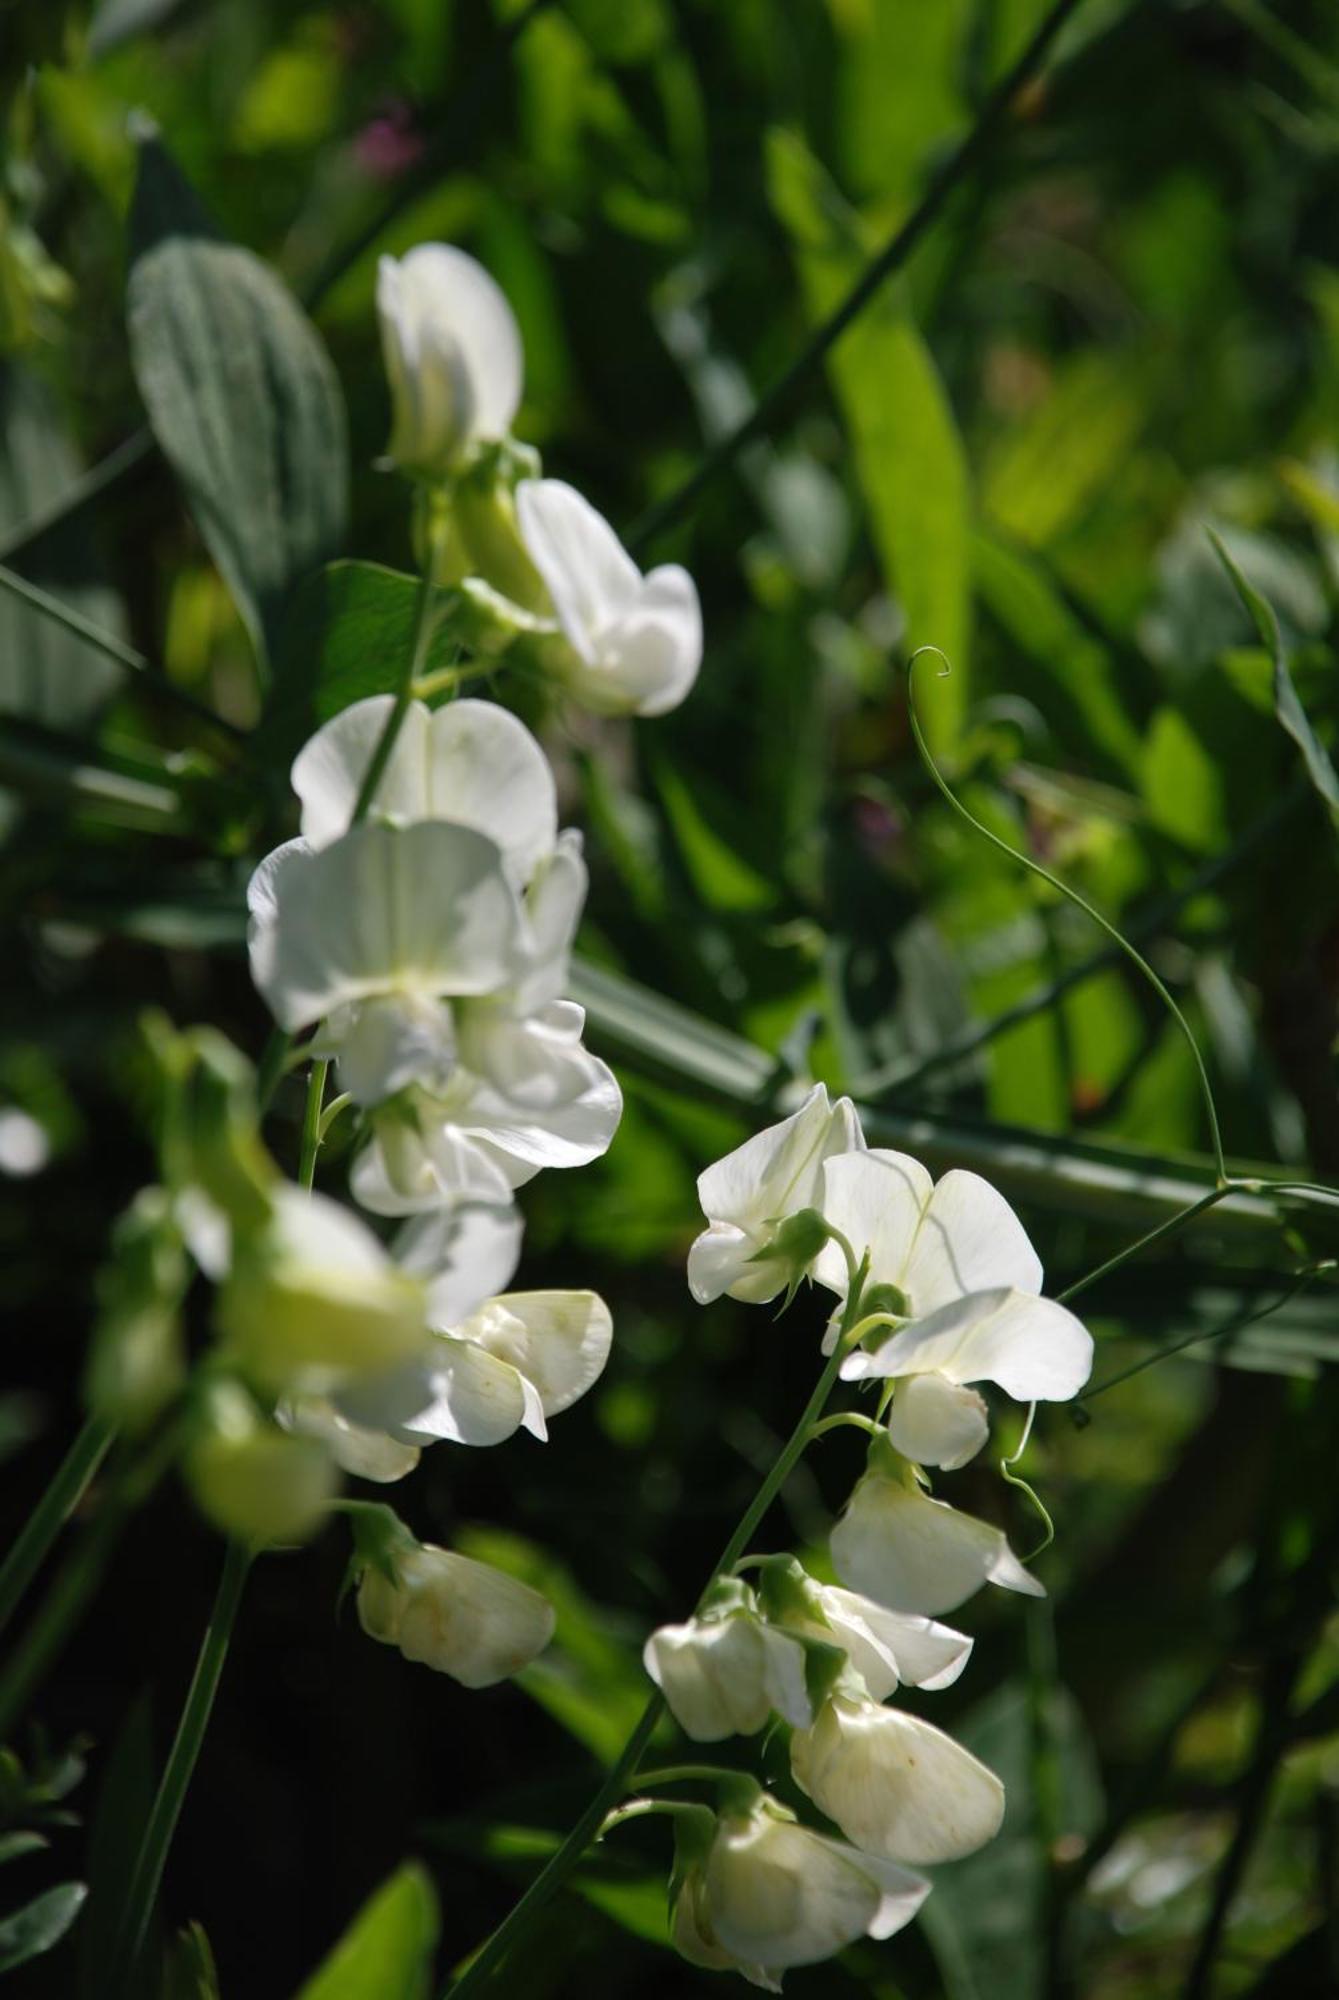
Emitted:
<point x="938" y="1290"/>
<point x="418" y="932"/>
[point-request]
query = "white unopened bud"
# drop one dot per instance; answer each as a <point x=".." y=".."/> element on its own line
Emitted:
<point x="462" y="1617"/>
<point x="453" y="357"/>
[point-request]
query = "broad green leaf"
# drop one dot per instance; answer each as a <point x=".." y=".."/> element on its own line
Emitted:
<point x="347" y="633"/>
<point x="1080" y="674"/>
<point x="1044" y="472"/>
<point x="47" y="672"/>
<point x="241" y="396"/>
<point x="909" y="458"/>
<point x="386" y="1953"/>
<point x="1287" y="706"/>
<point x="40" y="1925"/>
<point x="900" y="88"/>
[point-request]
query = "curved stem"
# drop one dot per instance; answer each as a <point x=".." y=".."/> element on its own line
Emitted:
<point x="152" y="1856"/>
<point x="67" y="1487"/>
<point x="681" y="1774"/>
<point x="643" y="1809"/>
<point x="1089" y="909"/>
<point x="521" y="1919"/>
<point x="1167" y="1228"/>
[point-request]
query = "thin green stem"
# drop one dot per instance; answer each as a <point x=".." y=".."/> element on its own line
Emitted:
<point x="871" y="280"/>
<point x="1237" y="1324"/>
<point x="108" y="472"/>
<point x="521" y="1919"/>
<point x="78" y="1578"/>
<point x="680" y="1774"/>
<point x="65" y="1490"/>
<point x="116" y="649"/>
<point x="644" y="1809"/>
<point x="333" y="1110"/>
<point x="152" y="1856"/>
<point x="1089" y="909"/>
<point x="1164" y="1229"/>
<point x="845" y="1420"/>
<point x="311" y="1124"/>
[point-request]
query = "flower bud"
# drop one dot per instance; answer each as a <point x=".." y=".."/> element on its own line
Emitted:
<point x="453" y="358"/>
<point x="911" y="1553"/>
<point x="770" y="1894"/>
<point x="462" y="1617"/>
<point x="314" y="1301"/>
<point x="723" y="1673"/>
<point x="885" y="1648"/>
<point x="253" y="1480"/>
<point x="895" y="1785"/>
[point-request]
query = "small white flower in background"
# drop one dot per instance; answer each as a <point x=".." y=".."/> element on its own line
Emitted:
<point x="462" y="1617"/>
<point x="725" y="1671"/>
<point x="519" y="1359"/>
<point x="774" y="1175"/>
<point x="885" y="1648"/>
<point x="769" y="1894"/>
<point x="453" y="357"/>
<point x="24" y="1145"/>
<point x="911" y="1553"/>
<point x="952" y="1259"/>
<point x="634" y="642"/>
<point x="314" y="1300"/>
<point x="896" y="1785"/>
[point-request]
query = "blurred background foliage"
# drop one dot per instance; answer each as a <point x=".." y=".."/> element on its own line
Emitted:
<point x="1123" y="330"/>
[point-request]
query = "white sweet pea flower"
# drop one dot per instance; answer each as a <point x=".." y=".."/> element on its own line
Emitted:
<point x="462" y="1617"/>
<point x="539" y="1099"/>
<point x="895" y="1785"/>
<point x="769" y="1894"/>
<point x="313" y="1300"/>
<point x="772" y="1176"/>
<point x="911" y="1553"/>
<point x="470" y="762"/>
<point x="634" y="642"/>
<point x="723" y="1672"/>
<point x="519" y="1359"/>
<point x="885" y="1648"/>
<point x="404" y="915"/>
<point x="453" y="357"/>
<point x="952" y="1259"/>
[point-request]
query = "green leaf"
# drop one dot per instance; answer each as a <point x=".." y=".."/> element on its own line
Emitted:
<point x="47" y="672"/>
<point x="241" y="396"/>
<point x="908" y="454"/>
<point x="386" y="1954"/>
<point x="191" y="1971"/>
<point x="125" y="1797"/>
<point x="346" y="634"/>
<point x="1044" y="473"/>
<point x="1287" y="706"/>
<point x="15" y="1845"/>
<point x="40" y="1925"/>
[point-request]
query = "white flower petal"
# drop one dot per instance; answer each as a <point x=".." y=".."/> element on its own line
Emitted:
<point x="937" y="1422"/>
<point x="889" y="1647"/>
<point x="896" y="1786"/>
<point x="466" y="1255"/>
<point x="418" y="1166"/>
<point x="1035" y="1349"/>
<point x="474" y="1398"/>
<point x="876" y="1199"/>
<point x="367" y="1454"/>
<point x="462" y="1617"/>
<point x="719" y="1261"/>
<point x="453" y="355"/>
<point x="780" y="1895"/>
<point x="328" y="771"/>
<point x="559" y="1341"/>
<point x="422" y="910"/>
<point x="713" y="1674"/>
<point x="384" y="1044"/>
<point x="913" y="1553"/>
<point x="586" y="570"/>
<point x="969" y="1239"/>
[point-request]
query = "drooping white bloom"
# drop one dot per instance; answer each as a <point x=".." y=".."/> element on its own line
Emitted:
<point x="885" y="1648"/>
<point x="314" y="1301"/>
<point x="773" y="1175"/>
<point x="771" y="1894"/>
<point x="453" y="357"/>
<point x="956" y="1263"/>
<point x="513" y="1363"/>
<point x="404" y="914"/>
<point x="723" y="1672"/>
<point x="896" y="1785"/>
<point x="1033" y="1348"/>
<point x="634" y="642"/>
<point x="462" y="1617"/>
<point x="903" y="1549"/>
